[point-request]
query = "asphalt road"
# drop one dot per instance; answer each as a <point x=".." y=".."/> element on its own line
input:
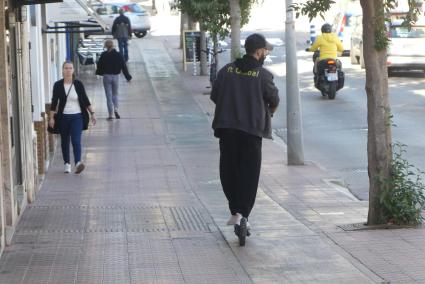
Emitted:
<point x="335" y="131"/>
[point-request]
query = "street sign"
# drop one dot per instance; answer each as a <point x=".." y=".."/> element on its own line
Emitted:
<point x="191" y="40"/>
<point x="191" y="48"/>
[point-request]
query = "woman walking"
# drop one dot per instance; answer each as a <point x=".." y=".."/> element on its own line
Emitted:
<point x="110" y="65"/>
<point x="71" y="104"/>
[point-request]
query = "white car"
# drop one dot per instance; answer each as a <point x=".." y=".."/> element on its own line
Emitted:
<point x="139" y="17"/>
<point x="406" y="50"/>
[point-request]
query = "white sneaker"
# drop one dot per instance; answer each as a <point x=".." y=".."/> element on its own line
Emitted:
<point x="234" y="219"/>
<point x="79" y="167"/>
<point x="67" y="169"/>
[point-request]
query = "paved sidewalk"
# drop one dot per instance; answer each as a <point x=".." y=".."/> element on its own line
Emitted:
<point x="149" y="207"/>
<point x="307" y="193"/>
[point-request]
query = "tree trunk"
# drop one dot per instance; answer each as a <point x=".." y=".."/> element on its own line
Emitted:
<point x="184" y="25"/>
<point x="204" y="64"/>
<point x="379" y="125"/>
<point x="235" y="26"/>
<point x="215" y="49"/>
<point x="192" y="23"/>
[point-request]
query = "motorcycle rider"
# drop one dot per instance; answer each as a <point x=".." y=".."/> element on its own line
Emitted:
<point x="328" y="43"/>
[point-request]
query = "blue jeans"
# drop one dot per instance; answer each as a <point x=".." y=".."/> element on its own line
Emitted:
<point x="123" y="47"/>
<point x="71" y="129"/>
<point x="110" y="83"/>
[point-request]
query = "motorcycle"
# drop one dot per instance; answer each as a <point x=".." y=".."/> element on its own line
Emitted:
<point x="329" y="77"/>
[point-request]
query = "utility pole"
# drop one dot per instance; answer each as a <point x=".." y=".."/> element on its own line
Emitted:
<point x="295" y="145"/>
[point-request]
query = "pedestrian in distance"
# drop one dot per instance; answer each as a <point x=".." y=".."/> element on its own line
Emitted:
<point x="110" y="65"/>
<point x="121" y="30"/>
<point x="245" y="98"/>
<point x="71" y="106"/>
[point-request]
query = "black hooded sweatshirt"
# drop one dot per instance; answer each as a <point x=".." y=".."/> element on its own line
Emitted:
<point x="244" y="93"/>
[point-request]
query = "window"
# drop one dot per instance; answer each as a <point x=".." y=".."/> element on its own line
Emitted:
<point x="136" y="8"/>
<point x="403" y="32"/>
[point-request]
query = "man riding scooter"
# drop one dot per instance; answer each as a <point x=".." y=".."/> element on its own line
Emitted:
<point x="327" y="45"/>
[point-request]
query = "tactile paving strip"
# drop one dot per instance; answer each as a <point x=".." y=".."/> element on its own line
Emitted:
<point x="92" y="219"/>
<point x="185" y="219"/>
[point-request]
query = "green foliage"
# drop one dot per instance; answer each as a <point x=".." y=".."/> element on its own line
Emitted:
<point x="214" y="16"/>
<point x="246" y="6"/>
<point x="402" y="196"/>
<point x="413" y="13"/>
<point x="381" y="38"/>
<point x="312" y="8"/>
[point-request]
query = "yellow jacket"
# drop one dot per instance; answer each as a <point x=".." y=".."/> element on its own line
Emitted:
<point x="329" y="44"/>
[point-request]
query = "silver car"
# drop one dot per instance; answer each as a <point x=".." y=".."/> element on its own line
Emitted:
<point x="139" y="17"/>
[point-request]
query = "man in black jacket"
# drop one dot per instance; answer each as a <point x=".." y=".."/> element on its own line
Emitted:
<point x="245" y="98"/>
<point x="110" y="65"/>
<point x="121" y="30"/>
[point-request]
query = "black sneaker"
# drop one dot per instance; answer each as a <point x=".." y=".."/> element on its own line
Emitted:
<point x="241" y="231"/>
<point x="117" y="115"/>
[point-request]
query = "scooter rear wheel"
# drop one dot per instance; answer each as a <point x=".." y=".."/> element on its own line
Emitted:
<point x="241" y="231"/>
<point x="332" y="91"/>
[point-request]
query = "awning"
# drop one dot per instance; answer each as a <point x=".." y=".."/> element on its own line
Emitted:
<point x="73" y="11"/>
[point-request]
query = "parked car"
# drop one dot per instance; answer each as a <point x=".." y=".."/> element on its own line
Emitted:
<point x="406" y="50"/>
<point x="139" y="17"/>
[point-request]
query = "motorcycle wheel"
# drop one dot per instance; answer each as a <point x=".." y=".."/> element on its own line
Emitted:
<point x="332" y="90"/>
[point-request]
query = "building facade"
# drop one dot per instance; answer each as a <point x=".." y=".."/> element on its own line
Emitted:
<point x="30" y="62"/>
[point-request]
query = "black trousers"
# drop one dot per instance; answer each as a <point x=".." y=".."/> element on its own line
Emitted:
<point x="240" y="164"/>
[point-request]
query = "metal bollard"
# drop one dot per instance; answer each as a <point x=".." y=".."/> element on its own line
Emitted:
<point x="312" y="33"/>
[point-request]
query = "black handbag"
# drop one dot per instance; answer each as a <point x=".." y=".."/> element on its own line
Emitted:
<point x="56" y="128"/>
<point x="58" y="117"/>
